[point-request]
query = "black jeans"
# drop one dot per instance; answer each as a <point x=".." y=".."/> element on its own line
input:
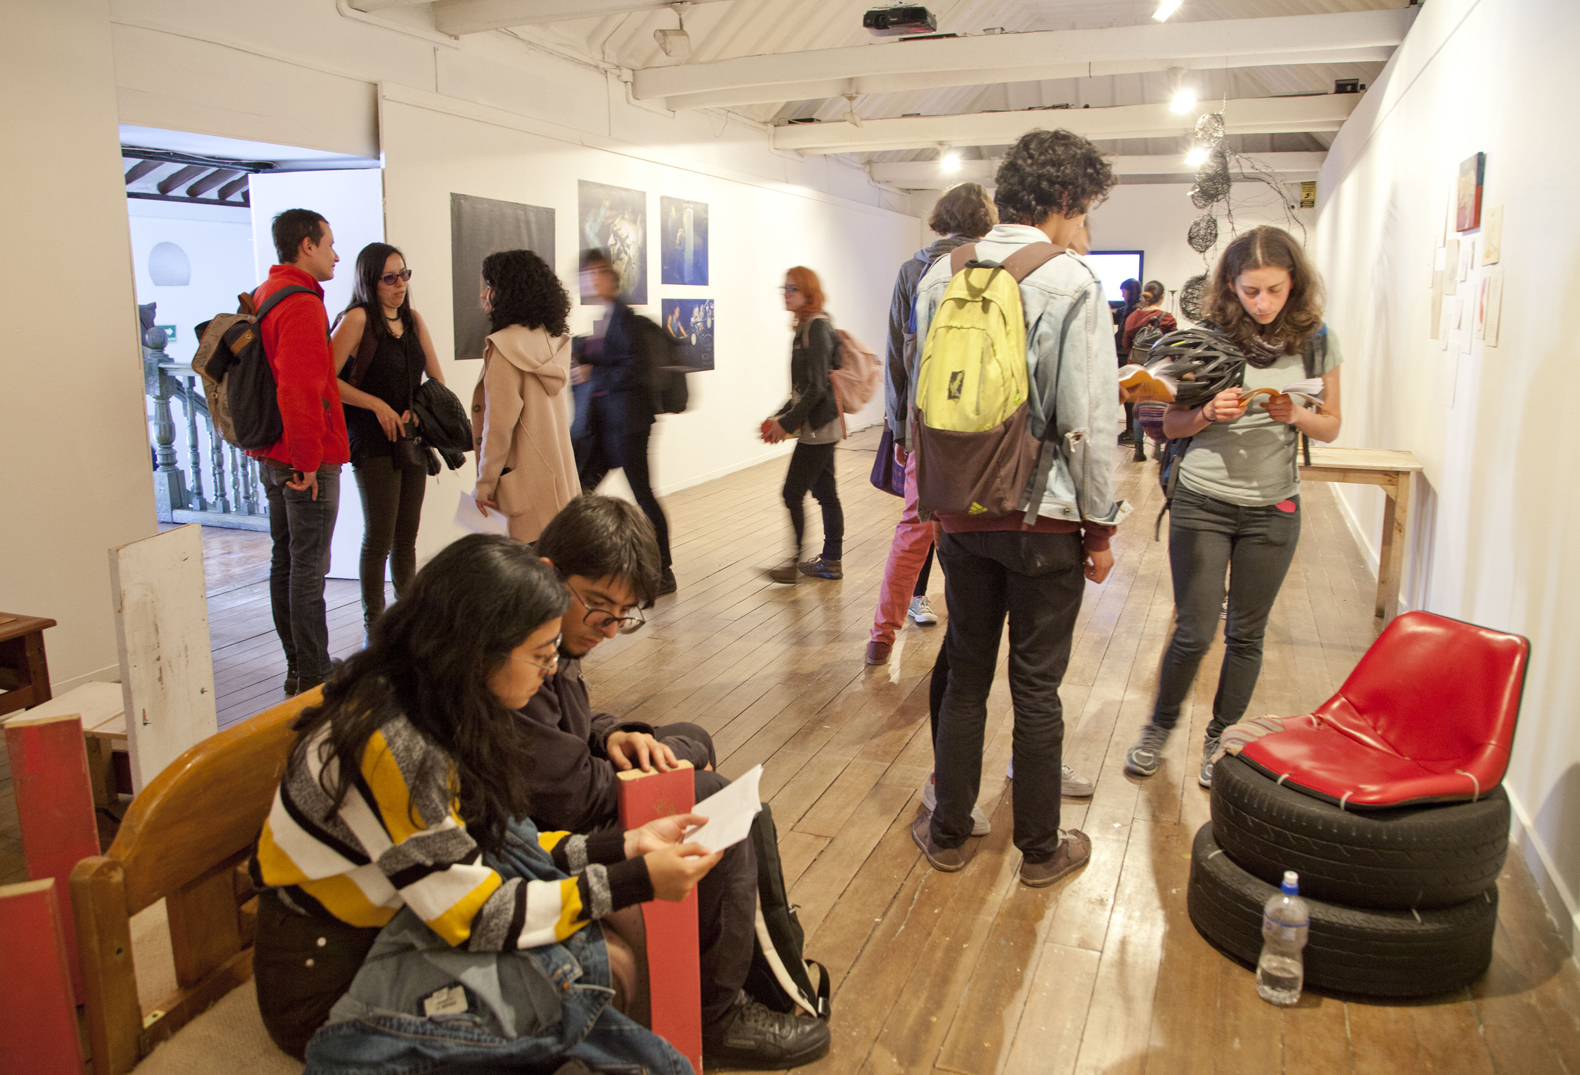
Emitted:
<point x="391" y="512"/>
<point x="926" y="574"/>
<point x="1037" y="580"/>
<point x="302" y="528"/>
<point x="610" y="445"/>
<point x="812" y="469"/>
<point x="1208" y="537"/>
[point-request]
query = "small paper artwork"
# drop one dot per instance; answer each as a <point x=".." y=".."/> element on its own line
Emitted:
<point x="1492" y="235"/>
<point x="1467" y="258"/>
<point x="1481" y="309"/>
<point x="1437" y="303"/>
<point x="1457" y="317"/>
<point x="1467" y="212"/>
<point x="1494" y="304"/>
<point x="1451" y="268"/>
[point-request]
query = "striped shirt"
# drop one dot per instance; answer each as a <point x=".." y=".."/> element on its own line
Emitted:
<point x="397" y="840"/>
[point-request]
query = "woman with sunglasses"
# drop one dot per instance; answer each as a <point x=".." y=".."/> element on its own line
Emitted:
<point x="811" y="415"/>
<point x="382" y="350"/>
<point x="400" y="886"/>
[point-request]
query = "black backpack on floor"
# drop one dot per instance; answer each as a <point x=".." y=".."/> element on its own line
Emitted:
<point x="781" y="978"/>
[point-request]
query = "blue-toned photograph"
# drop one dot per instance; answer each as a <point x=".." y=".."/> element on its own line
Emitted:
<point x="691" y="322"/>
<point x="683" y="240"/>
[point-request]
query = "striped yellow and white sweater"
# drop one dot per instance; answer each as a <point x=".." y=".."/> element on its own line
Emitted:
<point x="398" y="840"/>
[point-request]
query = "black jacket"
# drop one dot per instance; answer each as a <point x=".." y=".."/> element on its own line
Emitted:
<point x="442" y="422"/>
<point x="620" y="370"/>
<point x="814" y="352"/>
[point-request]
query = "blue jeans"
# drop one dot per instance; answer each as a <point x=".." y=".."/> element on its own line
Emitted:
<point x="302" y="528"/>
<point x="1208" y="537"/>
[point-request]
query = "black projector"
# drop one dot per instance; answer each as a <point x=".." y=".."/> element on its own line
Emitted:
<point x="899" y="21"/>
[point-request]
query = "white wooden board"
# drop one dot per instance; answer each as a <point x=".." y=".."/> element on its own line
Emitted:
<point x="94" y="702"/>
<point x="167" y="667"/>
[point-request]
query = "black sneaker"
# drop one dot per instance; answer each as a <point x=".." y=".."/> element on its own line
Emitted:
<point x="666" y="582"/>
<point x="754" y="1037"/>
<point x="290" y="684"/>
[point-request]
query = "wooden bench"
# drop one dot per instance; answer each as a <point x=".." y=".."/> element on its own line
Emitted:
<point x="24" y="668"/>
<point x="185" y="839"/>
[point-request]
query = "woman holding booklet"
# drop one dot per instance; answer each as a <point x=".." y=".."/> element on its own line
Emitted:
<point x="1237" y="502"/>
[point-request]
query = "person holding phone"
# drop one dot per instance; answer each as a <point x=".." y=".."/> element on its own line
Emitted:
<point x="1236" y="508"/>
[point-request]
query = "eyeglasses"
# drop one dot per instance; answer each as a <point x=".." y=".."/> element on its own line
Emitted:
<point x="389" y="279"/>
<point x="788" y="288"/>
<point x="553" y="664"/>
<point x="599" y="619"/>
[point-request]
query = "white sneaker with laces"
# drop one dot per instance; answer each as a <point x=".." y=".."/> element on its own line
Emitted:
<point x="980" y="825"/>
<point x="921" y="611"/>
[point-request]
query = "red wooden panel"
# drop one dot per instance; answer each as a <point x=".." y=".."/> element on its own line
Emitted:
<point x="672" y="945"/>
<point x="54" y="805"/>
<point x="36" y="990"/>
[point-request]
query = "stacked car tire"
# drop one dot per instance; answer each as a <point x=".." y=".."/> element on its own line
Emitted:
<point x="1404" y="901"/>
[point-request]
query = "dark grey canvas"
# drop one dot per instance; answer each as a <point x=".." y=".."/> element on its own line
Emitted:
<point x="479" y="227"/>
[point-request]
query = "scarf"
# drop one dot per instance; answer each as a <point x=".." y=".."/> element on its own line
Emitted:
<point x="1261" y="354"/>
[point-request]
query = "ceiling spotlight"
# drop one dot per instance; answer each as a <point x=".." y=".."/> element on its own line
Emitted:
<point x="1165" y="9"/>
<point x="1184" y="101"/>
<point x="950" y="162"/>
<point x="676" y="43"/>
<point x="1197" y="156"/>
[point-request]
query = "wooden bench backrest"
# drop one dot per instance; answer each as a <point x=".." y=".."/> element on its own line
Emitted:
<point x="182" y="841"/>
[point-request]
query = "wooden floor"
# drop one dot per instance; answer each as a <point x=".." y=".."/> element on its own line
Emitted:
<point x="973" y="972"/>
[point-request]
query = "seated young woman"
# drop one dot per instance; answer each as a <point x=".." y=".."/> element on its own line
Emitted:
<point x="407" y="914"/>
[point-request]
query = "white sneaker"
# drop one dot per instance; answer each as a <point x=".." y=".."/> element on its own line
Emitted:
<point x="922" y="611"/>
<point x="980" y="825"/>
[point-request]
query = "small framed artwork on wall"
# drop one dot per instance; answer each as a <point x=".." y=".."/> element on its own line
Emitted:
<point x="1467" y="214"/>
<point x="683" y="241"/>
<point x="691" y="322"/>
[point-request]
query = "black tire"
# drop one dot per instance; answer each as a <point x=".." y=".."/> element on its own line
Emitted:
<point x="1370" y="953"/>
<point x="1411" y="857"/>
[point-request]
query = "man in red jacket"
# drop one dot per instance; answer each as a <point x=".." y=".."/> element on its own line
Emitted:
<point x="301" y="474"/>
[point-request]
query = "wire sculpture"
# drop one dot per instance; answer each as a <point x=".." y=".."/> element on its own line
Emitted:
<point x="1193" y="297"/>
<point x="1203" y="233"/>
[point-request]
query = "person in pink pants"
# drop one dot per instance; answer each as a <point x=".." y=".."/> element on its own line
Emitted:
<point x="963" y="214"/>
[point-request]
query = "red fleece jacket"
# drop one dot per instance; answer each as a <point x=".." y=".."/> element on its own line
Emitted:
<point x="296" y="339"/>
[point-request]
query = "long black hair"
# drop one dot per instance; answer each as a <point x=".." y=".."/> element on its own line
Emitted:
<point x="365" y="289"/>
<point x="429" y="658"/>
<point x="526" y="292"/>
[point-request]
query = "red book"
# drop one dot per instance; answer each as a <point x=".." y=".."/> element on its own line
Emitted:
<point x="672" y="946"/>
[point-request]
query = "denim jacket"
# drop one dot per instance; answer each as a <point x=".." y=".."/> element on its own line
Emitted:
<point x="419" y="1005"/>
<point x="1081" y="388"/>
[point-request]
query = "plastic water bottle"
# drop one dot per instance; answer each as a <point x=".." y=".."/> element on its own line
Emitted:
<point x="1286" y="920"/>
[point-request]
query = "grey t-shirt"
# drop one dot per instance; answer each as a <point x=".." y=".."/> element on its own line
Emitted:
<point x="1251" y="461"/>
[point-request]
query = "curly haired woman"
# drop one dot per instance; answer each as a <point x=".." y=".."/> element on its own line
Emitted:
<point x="526" y="468"/>
<point x="1238" y="499"/>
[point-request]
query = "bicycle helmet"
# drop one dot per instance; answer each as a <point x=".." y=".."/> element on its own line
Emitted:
<point x="1202" y="361"/>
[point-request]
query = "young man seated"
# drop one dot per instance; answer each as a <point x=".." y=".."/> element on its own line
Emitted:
<point x="605" y="552"/>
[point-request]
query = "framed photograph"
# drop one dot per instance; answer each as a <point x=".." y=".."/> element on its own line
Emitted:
<point x="1467" y="211"/>
<point x="691" y="322"/>
<point x="614" y="220"/>
<point x="683" y="241"/>
<point x="478" y="228"/>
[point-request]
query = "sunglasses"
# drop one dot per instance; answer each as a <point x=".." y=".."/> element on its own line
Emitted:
<point x="389" y="279"/>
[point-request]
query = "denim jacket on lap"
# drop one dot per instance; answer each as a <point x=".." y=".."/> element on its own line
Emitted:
<point x="1081" y="388"/>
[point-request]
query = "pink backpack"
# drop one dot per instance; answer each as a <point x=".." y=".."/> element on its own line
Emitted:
<point x="857" y="377"/>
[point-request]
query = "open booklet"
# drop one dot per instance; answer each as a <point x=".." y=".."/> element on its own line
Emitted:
<point x="1149" y="383"/>
<point x="1309" y="390"/>
<point x="729" y="813"/>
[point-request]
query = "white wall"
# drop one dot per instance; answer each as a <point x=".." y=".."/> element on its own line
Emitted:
<point x="77" y="478"/>
<point x="217" y="240"/>
<point x="1496" y="526"/>
<point x="756" y="231"/>
<point x="352" y="200"/>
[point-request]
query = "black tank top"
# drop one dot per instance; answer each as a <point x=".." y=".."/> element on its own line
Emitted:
<point x="393" y="376"/>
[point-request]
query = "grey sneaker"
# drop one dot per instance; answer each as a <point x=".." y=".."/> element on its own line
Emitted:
<point x="821" y="568"/>
<point x="1075" y="787"/>
<point x="947" y="859"/>
<point x="980" y="825"/>
<point x="1075" y="850"/>
<point x="1147" y="754"/>
<point x="921" y="611"/>
<point x="1210" y="747"/>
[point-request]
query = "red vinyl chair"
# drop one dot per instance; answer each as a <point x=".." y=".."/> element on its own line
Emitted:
<point x="1427" y="716"/>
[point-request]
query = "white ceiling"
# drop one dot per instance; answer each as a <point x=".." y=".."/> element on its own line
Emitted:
<point x="748" y="28"/>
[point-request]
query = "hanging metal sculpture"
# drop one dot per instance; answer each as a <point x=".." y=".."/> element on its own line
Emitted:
<point x="1203" y="233"/>
<point x="1193" y="297"/>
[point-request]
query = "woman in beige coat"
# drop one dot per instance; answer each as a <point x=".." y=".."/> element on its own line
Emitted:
<point x="526" y="469"/>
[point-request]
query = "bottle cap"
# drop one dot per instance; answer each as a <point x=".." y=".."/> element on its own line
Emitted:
<point x="1291" y="885"/>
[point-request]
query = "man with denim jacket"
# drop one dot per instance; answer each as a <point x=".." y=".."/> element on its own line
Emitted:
<point x="996" y="566"/>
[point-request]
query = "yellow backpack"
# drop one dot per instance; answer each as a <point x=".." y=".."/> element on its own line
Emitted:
<point x="975" y="454"/>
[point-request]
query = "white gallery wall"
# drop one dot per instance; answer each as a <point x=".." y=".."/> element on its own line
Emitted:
<point x="434" y="147"/>
<point x="1495" y="527"/>
<point x="77" y="478"/>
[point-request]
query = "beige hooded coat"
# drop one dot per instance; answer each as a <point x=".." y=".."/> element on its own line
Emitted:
<point x="525" y="463"/>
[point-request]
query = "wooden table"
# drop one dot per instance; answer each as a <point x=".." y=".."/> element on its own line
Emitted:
<point x="1391" y="470"/>
<point x="24" y="671"/>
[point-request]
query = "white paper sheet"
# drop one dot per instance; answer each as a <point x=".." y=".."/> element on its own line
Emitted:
<point x="729" y="813"/>
<point x="473" y="521"/>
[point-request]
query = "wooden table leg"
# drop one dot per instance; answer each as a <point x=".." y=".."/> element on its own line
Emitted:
<point x="1390" y="558"/>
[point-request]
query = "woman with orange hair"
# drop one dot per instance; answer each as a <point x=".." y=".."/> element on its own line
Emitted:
<point x="811" y="415"/>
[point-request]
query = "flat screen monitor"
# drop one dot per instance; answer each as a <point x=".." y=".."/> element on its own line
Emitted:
<point x="1114" y="267"/>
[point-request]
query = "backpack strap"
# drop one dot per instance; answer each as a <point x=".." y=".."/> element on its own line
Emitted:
<point x="279" y="296"/>
<point x="1021" y="264"/>
<point x="959" y="256"/>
